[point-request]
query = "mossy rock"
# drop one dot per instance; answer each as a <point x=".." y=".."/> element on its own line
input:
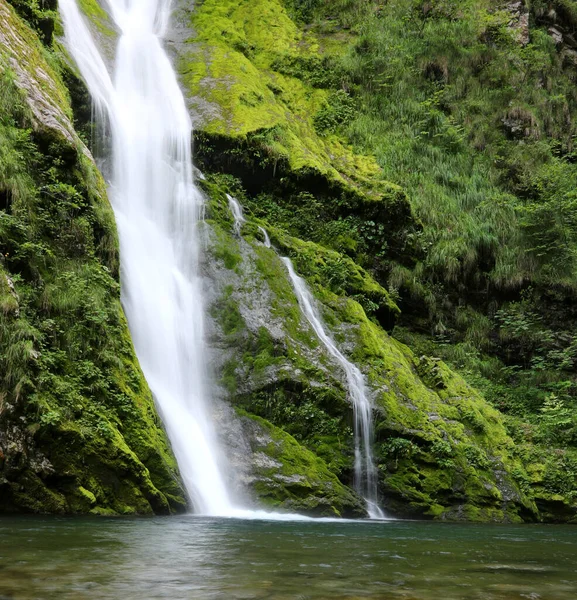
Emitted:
<point x="287" y="476"/>
<point x="256" y="119"/>
<point x="442" y="451"/>
<point x="79" y="430"/>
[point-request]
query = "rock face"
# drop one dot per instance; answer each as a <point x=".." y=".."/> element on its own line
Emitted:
<point x="442" y="451"/>
<point x="78" y="428"/>
<point x="264" y="93"/>
<point x="519" y="21"/>
<point x="43" y="96"/>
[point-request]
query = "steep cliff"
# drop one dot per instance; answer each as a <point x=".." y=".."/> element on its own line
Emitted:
<point x="303" y="111"/>
<point x="415" y="161"/>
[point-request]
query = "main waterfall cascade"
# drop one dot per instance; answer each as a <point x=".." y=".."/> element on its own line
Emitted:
<point x="365" y="469"/>
<point x="157" y="208"/>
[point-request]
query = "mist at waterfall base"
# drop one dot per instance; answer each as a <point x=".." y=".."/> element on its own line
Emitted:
<point x="364" y="467"/>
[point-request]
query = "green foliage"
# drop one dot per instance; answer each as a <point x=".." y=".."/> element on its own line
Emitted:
<point x="40" y="14"/>
<point x="71" y="391"/>
<point x="339" y="110"/>
<point x="399" y="449"/>
<point x="317" y="71"/>
<point x="477" y="457"/>
<point x="474" y="124"/>
<point x="557" y="418"/>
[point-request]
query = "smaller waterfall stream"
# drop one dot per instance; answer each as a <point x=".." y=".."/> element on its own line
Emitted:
<point x="236" y="210"/>
<point x="265" y="236"/>
<point x="365" y="470"/>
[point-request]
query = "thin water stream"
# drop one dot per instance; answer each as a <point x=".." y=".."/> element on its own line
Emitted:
<point x="365" y="469"/>
<point x="187" y="558"/>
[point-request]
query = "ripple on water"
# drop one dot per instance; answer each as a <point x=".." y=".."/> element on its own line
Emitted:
<point x="202" y="559"/>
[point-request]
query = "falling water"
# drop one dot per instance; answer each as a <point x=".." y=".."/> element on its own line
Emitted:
<point x="365" y="470"/>
<point x="238" y="215"/>
<point x="266" y="238"/>
<point x="157" y="208"/>
<point x="239" y="220"/>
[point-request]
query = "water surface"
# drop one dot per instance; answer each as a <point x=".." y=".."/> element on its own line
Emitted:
<point x="226" y="559"/>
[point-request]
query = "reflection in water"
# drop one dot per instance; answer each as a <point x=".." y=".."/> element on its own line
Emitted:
<point x="219" y="559"/>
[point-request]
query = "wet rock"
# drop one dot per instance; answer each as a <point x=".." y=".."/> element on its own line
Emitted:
<point x="46" y="100"/>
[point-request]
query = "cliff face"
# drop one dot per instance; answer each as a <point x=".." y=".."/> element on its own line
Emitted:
<point x="312" y="115"/>
<point x="415" y="162"/>
<point x="78" y="428"/>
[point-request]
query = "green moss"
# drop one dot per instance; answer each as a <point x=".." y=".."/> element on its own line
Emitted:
<point x="98" y="16"/>
<point x="293" y="478"/>
<point x="237" y="67"/>
<point x="90" y="497"/>
<point x="103" y="512"/>
<point x="77" y="415"/>
<point x="228" y="314"/>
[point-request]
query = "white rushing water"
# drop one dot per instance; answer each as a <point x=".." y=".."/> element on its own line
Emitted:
<point x="237" y="213"/>
<point x="157" y="209"/>
<point x="365" y="470"/>
<point x="239" y="220"/>
<point x="266" y="238"/>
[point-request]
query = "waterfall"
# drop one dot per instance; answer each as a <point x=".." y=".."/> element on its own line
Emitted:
<point x="239" y="219"/>
<point x="365" y="470"/>
<point x="157" y="208"/>
<point x="238" y="215"/>
<point x="266" y="238"/>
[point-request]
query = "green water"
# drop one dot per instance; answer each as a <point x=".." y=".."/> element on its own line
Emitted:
<point x="217" y="559"/>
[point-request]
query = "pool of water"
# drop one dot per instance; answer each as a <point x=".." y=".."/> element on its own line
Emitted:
<point x="220" y="559"/>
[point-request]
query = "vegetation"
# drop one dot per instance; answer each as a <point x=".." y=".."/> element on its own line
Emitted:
<point x="78" y="429"/>
<point x="467" y="110"/>
<point x="414" y="159"/>
<point x="442" y="450"/>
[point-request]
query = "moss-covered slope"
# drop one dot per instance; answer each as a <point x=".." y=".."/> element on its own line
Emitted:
<point x="442" y="451"/>
<point x="78" y="427"/>
<point x="292" y="101"/>
<point x="262" y="91"/>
